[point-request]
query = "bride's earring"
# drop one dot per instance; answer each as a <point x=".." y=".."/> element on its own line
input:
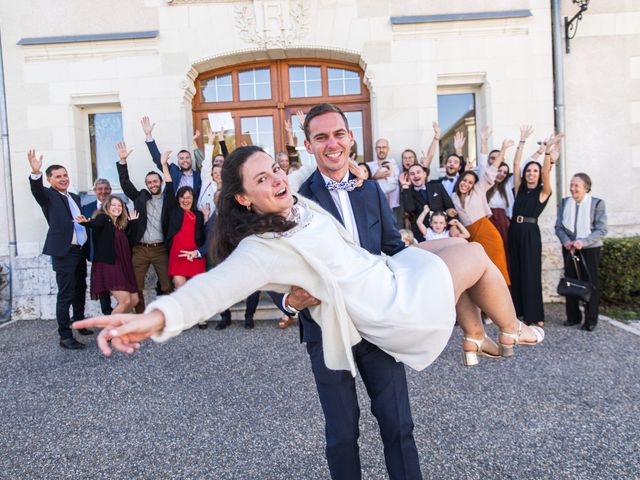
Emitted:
<point x="249" y="208"/>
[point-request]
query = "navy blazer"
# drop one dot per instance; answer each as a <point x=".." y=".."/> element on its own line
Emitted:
<point x="174" y="170"/>
<point x="413" y="203"/>
<point x="55" y="207"/>
<point x="376" y="230"/>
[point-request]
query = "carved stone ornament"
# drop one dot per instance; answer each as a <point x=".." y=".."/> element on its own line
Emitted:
<point x="273" y="23"/>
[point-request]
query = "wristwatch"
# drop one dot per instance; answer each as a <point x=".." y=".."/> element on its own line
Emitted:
<point x="288" y="308"/>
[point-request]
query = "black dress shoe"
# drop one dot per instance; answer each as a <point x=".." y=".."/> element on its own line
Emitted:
<point x="71" y="343"/>
<point x="85" y="331"/>
<point x="587" y="327"/>
<point x="569" y="323"/>
<point x="248" y="323"/>
<point x="222" y="324"/>
<point x="203" y="326"/>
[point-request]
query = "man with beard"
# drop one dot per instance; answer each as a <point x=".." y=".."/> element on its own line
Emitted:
<point x="149" y="235"/>
<point x="454" y="165"/>
<point x="416" y="193"/>
<point x="385" y="171"/>
<point x="101" y="189"/>
<point x="183" y="174"/>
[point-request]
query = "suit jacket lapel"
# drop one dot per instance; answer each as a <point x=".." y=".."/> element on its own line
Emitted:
<point x="358" y="200"/>
<point x="322" y="196"/>
<point x="64" y="200"/>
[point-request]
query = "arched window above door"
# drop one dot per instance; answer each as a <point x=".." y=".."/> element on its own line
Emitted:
<point x="261" y="95"/>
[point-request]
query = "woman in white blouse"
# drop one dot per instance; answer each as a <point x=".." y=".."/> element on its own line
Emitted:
<point x="470" y="201"/>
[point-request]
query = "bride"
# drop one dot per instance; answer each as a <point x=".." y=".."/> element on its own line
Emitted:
<point x="268" y="239"/>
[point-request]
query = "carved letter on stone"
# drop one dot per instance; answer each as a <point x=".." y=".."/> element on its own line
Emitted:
<point x="273" y="23"/>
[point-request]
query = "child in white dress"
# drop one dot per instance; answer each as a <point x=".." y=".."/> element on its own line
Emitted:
<point x="439" y="228"/>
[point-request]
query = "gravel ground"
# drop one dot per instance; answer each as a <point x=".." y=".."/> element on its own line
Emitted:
<point x="241" y="404"/>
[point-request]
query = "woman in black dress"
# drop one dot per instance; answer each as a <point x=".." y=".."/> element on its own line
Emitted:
<point x="533" y="190"/>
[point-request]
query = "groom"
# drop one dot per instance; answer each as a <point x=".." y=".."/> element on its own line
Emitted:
<point x="365" y="213"/>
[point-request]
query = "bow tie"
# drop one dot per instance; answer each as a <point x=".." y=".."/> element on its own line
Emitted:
<point x="418" y="189"/>
<point x="447" y="179"/>
<point x="347" y="185"/>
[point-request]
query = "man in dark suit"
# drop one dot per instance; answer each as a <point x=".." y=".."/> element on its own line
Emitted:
<point x="416" y="193"/>
<point x="365" y="212"/>
<point x="65" y="241"/>
<point x="149" y="248"/>
<point x="102" y="190"/>
<point x="182" y="174"/>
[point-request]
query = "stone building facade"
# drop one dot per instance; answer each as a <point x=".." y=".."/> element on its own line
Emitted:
<point x="74" y="69"/>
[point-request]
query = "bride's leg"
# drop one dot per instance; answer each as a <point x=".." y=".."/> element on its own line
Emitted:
<point x="468" y="316"/>
<point x="472" y="270"/>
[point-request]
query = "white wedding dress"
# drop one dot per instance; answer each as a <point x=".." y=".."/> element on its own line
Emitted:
<point x="404" y="304"/>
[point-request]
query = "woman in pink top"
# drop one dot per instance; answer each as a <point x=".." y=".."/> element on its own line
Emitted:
<point x="470" y="200"/>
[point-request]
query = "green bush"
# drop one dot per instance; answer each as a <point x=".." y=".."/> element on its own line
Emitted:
<point x="620" y="271"/>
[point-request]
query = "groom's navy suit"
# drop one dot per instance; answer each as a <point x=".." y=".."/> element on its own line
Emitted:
<point x="384" y="378"/>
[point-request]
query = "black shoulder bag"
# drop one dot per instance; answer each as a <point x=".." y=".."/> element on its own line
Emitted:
<point x="576" y="287"/>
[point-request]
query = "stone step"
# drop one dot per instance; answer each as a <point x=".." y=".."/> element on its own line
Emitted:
<point x="266" y="310"/>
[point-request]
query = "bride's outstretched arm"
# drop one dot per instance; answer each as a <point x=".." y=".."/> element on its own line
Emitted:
<point x="248" y="269"/>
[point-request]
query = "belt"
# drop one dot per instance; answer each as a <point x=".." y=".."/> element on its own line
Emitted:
<point x="150" y="245"/>
<point x="521" y="219"/>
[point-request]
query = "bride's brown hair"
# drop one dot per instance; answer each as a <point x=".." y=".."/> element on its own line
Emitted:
<point x="233" y="221"/>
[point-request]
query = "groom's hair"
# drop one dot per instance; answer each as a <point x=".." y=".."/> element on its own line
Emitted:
<point x="321" y="109"/>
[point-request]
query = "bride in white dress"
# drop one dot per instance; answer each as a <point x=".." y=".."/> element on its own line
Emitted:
<point x="405" y="304"/>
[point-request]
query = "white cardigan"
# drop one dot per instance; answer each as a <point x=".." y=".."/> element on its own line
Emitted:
<point x="263" y="263"/>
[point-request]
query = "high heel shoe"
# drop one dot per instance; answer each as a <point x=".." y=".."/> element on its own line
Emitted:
<point x="506" y="349"/>
<point x="471" y="358"/>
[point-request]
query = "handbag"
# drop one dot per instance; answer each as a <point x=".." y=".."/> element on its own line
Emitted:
<point x="576" y="287"/>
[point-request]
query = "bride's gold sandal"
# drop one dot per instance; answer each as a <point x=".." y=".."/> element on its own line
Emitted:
<point x="471" y="358"/>
<point x="506" y="349"/>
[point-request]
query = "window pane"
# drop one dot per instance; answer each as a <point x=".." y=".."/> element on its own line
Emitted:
<point x="217" y="89"/>
<point x="343" y="82"/>
<point x="296" y="89"/>
<point x="255" y="84"/>
<point x="355" y="125"/>
<point x="305" y="81"/>
<point x="258" y="131"/>
<point x="263" y="91"/>
<point x="246" y="92"/>
<point x="314" y="88"/>
<point x="229" y="138"/>
<point x="456" y="113"/>
<point x="352" y="86"/>
<point x="296" y="74"/>
<point x="105" y="130"/>
<point x="298" y="135"/>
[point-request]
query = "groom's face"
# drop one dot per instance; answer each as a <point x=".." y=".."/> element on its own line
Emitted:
<point x="330" y="142"/>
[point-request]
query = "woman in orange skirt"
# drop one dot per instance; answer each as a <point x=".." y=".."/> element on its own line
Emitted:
<point x="470" y="200"/>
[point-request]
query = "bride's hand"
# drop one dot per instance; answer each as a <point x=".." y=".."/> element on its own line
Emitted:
<point x="123" y="331"/>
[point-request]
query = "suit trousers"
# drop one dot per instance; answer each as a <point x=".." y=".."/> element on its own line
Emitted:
<point x="572" y="306"/>
<point x="251" y="302"/>
<point x="71" y="278"/>
<point x="142" y="258"/>
<point x="386" y="383"/>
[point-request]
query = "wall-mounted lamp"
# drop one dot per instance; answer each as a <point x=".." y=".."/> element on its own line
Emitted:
<point x="571" y="26"/>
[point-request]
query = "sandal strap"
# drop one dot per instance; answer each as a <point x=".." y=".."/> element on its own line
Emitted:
<point x="514" y="336"/>
<point x="477" y="343"/>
